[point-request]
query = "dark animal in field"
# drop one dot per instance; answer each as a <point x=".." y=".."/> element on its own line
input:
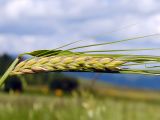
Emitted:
<point x="65" y="85"/>
<point x="13" y="84"/>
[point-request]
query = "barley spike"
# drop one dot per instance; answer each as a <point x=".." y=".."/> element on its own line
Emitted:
<point x="67" y="63"/>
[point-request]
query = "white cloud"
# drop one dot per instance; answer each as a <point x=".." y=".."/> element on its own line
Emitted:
<point x="31" y="24"/>
<point x="19" y="44"/>
<point x="147" y="5"/>
<point x="15" y="8"/>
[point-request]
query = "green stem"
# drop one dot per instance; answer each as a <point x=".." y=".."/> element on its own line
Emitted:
<point x="6" y="74"/>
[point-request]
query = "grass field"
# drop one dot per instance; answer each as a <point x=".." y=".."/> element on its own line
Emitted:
<point x="86" y="107"/>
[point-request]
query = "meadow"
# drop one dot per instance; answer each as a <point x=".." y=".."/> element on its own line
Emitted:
<point x="75" y="107"/>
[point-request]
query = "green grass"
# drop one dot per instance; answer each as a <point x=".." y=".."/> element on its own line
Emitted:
<point x="88" y="107"/>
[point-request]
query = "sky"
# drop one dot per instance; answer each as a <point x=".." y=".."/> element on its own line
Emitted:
<point x="27" y="25"/>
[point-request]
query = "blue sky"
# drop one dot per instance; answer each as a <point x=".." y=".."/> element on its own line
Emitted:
<point x="27" y="25"/>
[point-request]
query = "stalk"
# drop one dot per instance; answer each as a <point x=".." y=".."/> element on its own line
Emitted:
<point x="6" y="74"/>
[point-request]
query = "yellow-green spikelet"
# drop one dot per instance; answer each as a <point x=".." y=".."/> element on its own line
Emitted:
<point x="67" y="63"/>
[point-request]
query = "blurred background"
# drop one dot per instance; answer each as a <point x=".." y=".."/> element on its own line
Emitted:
<point x="27" y="25"/>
